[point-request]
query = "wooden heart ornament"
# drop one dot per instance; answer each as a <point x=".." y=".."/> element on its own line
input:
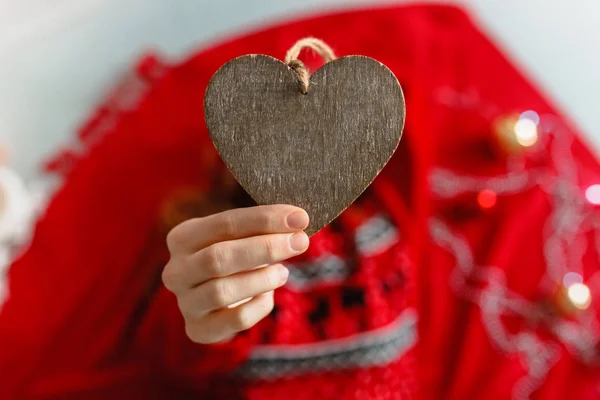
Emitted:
<point x="319" y="150"/>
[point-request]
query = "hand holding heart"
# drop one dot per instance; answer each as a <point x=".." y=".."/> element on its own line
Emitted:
<point x="314" y="142"/>
<point x="213" y="267"/>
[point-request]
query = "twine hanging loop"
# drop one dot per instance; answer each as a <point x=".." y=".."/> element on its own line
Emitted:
<point x="291" y="58"/>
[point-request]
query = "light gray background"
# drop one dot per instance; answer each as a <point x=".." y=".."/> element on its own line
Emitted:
<point x="58" y="56"/>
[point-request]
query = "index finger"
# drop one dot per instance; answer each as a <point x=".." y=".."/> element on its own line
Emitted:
<point x="197" y="233"/>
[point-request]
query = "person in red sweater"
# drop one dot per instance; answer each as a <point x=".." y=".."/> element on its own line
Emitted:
<point x="467" y="270"/>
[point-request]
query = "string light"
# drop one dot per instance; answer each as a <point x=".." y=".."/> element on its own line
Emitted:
<point x="530" y="115"/>
<point x="526" y="132"/>
<point x="580" y="295"/>
<point x="571" y="278"/>
<point x="592" y="194"/>
<point x="517" y="131"/>
<point x="486" y="198"/>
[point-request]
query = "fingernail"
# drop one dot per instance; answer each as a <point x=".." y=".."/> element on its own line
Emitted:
<point x="283" y="274"/>
<point x="297" y="220"/>
<point x="299" y="241"/>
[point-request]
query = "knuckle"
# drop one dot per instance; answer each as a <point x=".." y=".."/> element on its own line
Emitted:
<point x="169" y="276"/>
<point x="273" y="219"/>
<point x="247" y="317"/>
<point x="178" y="237"/>
<point x="271" y="248"/>
<point x="244" y="319"/>
<point x="214" y="260"/>
<point x="174" y="239"/>
<point x="189" y="308"/>
<point x="228" y="225"/>
<point x="269" y="278"/>
<point x="265" y="218"/>
<point x="220" y="293"/>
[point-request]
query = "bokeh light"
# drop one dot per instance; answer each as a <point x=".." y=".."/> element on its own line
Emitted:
<point x="530" y="115"/>
<point x="526" y="132"/>
<point x="571" y="278"/>
<point x="580" y="295"/>
<point x="592" y="193"/>
<point x="486" y="198"/>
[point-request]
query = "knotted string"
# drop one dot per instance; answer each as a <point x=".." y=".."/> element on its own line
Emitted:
<point x="291" y="58"/>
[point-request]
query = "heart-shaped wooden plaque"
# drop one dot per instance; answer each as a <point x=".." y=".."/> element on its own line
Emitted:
<point x="319" y="150"/>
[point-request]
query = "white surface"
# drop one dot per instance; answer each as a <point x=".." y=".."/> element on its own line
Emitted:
<point x="58" y="55"/>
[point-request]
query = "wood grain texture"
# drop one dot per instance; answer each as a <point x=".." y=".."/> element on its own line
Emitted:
<point x="317" y="151"/>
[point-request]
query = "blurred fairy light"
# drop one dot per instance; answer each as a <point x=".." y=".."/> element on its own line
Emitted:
<point x="526" y="131"/>
<point x="571" y="278"/>
<point x="530" y="115"/>
<point x="486" y="198"/>
<point x="580" y="295"/>
<point x="516" y="132"/>
<point x="592" y="194"/>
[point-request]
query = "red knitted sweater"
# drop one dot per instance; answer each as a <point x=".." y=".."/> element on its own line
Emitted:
<point x="438" y="283"/>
